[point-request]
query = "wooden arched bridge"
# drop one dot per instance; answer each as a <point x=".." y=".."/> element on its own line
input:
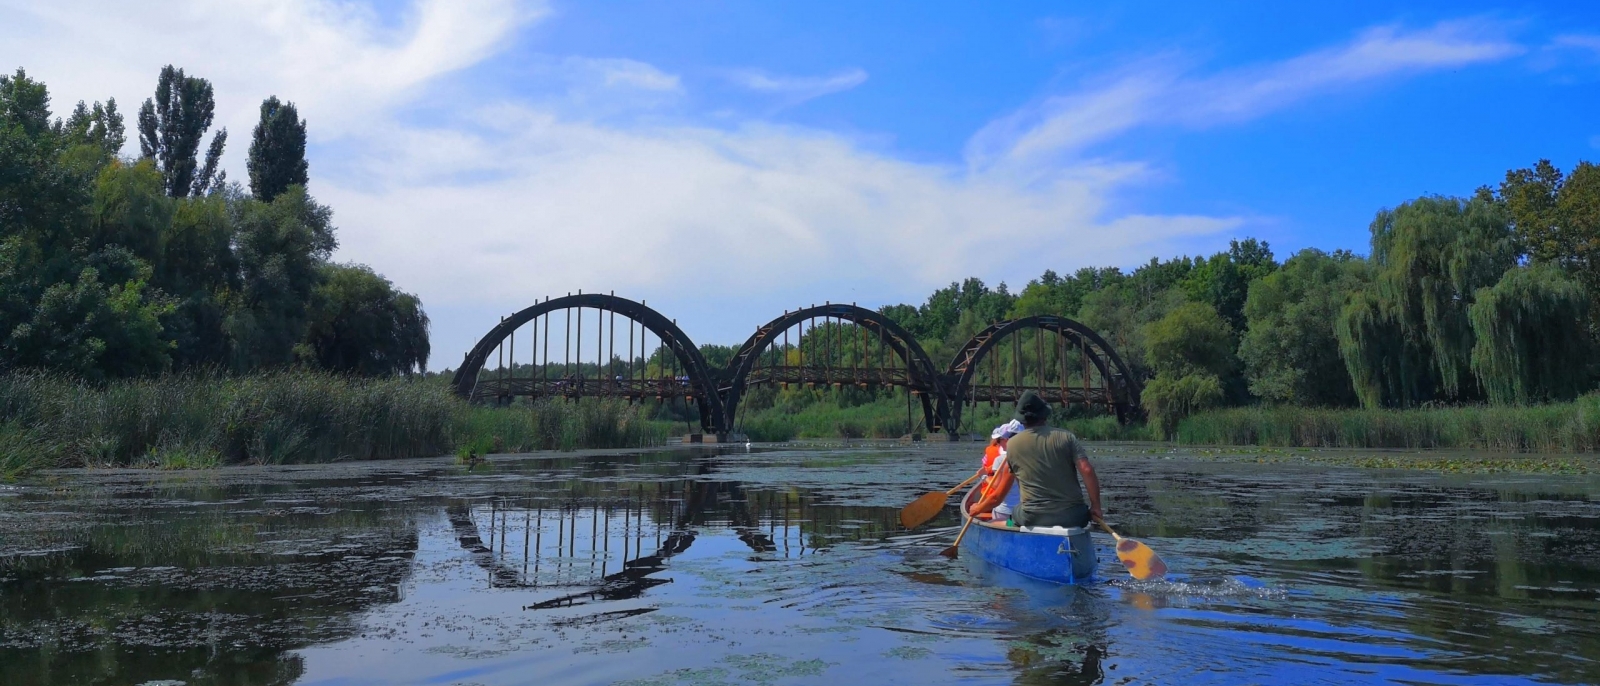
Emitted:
<point x="593" y="345"/>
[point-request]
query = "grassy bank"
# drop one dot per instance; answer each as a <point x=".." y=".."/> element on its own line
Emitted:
<point x="1554" y="428"/>
<point x="886" y="418"/>
<point x="281" y="418"/>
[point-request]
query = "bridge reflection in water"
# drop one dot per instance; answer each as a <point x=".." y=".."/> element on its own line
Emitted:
<point x="608" y="546"/>
<point x="646" y="356"/>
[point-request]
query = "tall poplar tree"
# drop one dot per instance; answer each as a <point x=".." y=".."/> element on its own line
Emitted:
<point x="171" y="127"/>
<point x="277" y="150"/>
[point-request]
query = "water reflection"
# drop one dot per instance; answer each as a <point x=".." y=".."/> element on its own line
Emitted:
<point x="697" y="567"/>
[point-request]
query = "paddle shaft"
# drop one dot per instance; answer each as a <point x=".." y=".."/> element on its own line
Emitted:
<point x="1107" y="527"/>
<point x="951" y="551"/>
<point x="960" y="485"/>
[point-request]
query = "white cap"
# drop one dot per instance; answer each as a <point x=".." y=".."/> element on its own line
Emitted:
<point x="1008" y="429"/>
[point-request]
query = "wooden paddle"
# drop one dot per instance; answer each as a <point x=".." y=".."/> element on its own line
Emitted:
<point x="928" y="506"/>
<point x="1142" y="562"/>
<point x="955" y="548"/>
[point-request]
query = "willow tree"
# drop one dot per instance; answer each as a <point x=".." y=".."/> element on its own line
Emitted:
<point x="1431" y="255"/>
<point x="1528" y="347"/>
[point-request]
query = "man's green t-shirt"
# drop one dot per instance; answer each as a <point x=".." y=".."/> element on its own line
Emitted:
<point x="1044" y="461"/>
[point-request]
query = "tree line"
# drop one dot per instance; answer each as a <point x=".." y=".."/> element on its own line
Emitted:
<point x="1489" y="298"/>
<point x="114" y="267"/>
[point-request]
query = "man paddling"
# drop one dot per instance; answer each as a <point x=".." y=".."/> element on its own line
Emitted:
<point x="1048" y="462"/>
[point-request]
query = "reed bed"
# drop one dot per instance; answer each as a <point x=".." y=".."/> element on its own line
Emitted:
<point x="886" y="418"/>
<point x="1572" y="427"/>
<point x="48" y="420"/>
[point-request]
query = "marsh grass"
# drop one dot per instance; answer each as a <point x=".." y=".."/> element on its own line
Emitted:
<point x="887" y="419"/>
<point x="1572" y="427"/>
<point x="287" y="417"/>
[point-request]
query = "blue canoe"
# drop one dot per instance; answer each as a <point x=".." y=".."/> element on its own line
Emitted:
<point x="1055" y="554"/>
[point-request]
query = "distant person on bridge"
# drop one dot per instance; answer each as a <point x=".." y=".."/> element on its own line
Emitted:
<point x="1048" y="463"/>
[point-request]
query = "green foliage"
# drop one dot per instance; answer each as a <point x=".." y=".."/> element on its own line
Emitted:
<point x="1289" y="350"/>
<point x="277" y="150"/>
<point x="1572" y="427"/>
<point x="360" y="324"/>
<point x="1223" y="280"/>
<point x="1171" y="397"/>
<point x="49" y="420"/>
<point x="1121" y="312"/>
<point x="110" y="269"/>
<point x="1430" y="255"/>
<point x="171" y="127"/>
<point x="1190" y="338"/>
<point x="1528" y="348"/>
<point x="1557" y="217"/>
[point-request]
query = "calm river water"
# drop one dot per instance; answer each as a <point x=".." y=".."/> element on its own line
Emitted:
<point x="784" y="565"/>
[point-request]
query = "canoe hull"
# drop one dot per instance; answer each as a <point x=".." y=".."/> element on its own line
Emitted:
<point x="1052" y="557"/>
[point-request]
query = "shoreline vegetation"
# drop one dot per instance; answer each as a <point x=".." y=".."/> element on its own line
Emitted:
<point x="292" y="417"/>
<point x="308" y="417"/>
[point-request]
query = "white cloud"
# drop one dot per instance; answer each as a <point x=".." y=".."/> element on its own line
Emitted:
<point x="1160" y="92"/>
<point x="623" y="73"/>
<point x="797" y="89"/>
<point x="1576" y="40"/>
<point x="342" y="65"/>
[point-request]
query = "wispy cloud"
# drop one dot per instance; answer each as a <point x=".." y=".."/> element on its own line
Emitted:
<point x="1159" y="91"/>
<point x="797" y="89"/>
<point x="1589" y="42"/>
<point x="622" y="73"/>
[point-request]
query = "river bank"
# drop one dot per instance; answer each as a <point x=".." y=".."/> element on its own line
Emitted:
<point x="290" y="417"/>
<point x="1571" y="427"/>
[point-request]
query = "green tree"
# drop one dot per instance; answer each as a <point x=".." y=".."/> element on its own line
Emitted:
<point x="100" y="127"/>
<point x="1120" y="313"/>
<point x="1169" y="399"/>
<point x="1430" y="257"/>
<point x="277" y="150"/>
<point x="1190" y="338"/>
<point x="1528" y="348"/>
<point x="1289" y="349"/>
<point x="1223" y="280"/>
<point x="1062" y="296"/>
<point x="171" y="128"/>
<point x="1191" y="352"/>
<point x="280" y="247"/>
<point x="1557" y="217"/>
<point x="360" y="324"/>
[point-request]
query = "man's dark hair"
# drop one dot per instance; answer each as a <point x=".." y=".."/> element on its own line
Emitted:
<point x="1032" y="409"/>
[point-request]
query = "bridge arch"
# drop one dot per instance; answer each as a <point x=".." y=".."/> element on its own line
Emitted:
<point x="1118" y="389"/>
<point x="698" y="382"/>
<point x="921" y="376"/>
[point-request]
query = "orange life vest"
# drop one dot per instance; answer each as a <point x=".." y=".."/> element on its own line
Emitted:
<point x="994" y="490"/>
<point x="990" y="454"/>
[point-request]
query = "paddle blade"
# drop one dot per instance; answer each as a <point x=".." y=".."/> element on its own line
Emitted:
<point x="1142" y="562"/>
<point x="923" y="509"/>
<point x="952" y="552"/>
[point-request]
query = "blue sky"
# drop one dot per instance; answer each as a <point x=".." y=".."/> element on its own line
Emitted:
<point x="725" y="161"/>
